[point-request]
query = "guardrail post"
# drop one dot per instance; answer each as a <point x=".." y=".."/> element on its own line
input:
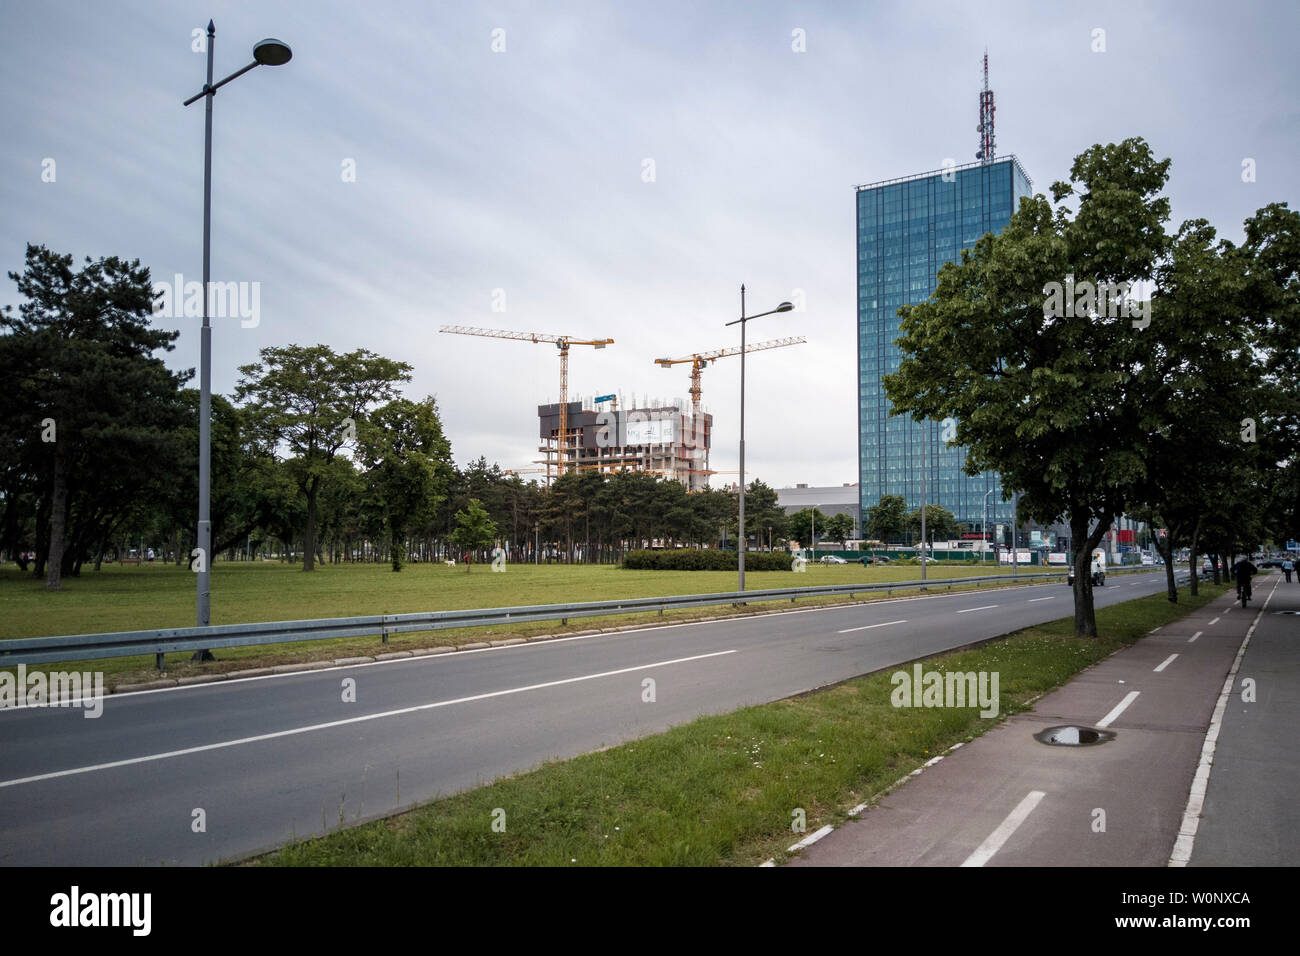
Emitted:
<point x="158" y="661"/>
<point x="383" y="629"/>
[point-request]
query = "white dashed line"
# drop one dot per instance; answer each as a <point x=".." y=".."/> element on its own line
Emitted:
<point x="1119" y="709"/>
<point x="1195" y="636"/>
<point x="1032" y="600"/>
<point x="969" y="609"/>
<point x="990" y="846"/>
<point x="1165" y="663"/>
<point x="1215" y="621"/>
<point x="867" y="627"/>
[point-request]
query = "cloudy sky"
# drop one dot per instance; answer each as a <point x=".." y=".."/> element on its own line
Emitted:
<point x="526" y="169"/>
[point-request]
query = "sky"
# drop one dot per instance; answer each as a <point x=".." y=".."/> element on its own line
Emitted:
<point x="601" y="170"/>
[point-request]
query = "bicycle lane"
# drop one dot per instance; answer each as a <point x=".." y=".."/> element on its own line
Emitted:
<point x="1005" y="799"/>
<point x="1250" y="816"/>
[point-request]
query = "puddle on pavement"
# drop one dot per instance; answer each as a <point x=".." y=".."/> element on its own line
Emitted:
<point x="1072" y="735"/>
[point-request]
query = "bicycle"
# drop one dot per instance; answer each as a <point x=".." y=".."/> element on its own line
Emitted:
<point x="1243" y="593"/>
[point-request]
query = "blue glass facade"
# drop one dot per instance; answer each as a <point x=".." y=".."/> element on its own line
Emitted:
<point x="907" y="229"/>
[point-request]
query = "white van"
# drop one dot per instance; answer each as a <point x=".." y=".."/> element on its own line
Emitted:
<point x="1098" y="570"/>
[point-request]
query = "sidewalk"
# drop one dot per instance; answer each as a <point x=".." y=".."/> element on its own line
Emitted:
<point x="1004" y="799"/>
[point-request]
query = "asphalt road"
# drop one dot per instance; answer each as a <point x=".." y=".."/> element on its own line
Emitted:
<point x="270" y="759"/>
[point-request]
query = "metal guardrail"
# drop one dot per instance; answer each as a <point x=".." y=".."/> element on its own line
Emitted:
<point x="77" y="647"/>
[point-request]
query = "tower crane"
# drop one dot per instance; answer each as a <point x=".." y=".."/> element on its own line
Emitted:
<point x="561" y="342"/>
<point x="702" y="359"/>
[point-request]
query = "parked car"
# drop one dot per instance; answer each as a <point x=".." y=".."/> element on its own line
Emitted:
<point x="866" y="559"/>
<point x="830" y="559"/>
<point x="1270" y="563"/>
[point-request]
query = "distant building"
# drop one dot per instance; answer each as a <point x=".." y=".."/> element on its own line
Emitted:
<point x="906" y="229"/>
<point x="661" y="441"/>
<point x="830" y="500"/>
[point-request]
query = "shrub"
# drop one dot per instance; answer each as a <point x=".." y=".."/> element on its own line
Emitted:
<point x="697" y="559"/>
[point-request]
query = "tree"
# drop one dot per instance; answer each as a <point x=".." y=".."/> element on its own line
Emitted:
<point x="310" y="400"/>
<point x="764" y="517"/>
<point x="474" y="530"/>
<point x="940" y="523"/>
<point x="1043" y="391"/>
<point x="807" y="524"/>
<point x="408" y="466"/>
<point x="90" y="411"/>
<point x="886" y="519"/>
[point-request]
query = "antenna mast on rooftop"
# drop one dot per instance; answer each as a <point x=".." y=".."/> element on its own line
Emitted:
<point x="987" y="141"/>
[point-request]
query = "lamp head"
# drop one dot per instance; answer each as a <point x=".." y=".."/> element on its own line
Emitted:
<point x="270" y="52"/>
<point x="785" y="307"/>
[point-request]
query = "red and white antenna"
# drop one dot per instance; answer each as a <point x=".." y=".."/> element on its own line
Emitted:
<point x="987" y="141"/>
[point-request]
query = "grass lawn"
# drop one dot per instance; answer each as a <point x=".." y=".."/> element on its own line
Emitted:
<point x="720" y="790"/>
<point x="139" y="597"/>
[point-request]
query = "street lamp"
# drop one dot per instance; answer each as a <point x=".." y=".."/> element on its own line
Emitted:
<point x="986" y="525"/>
<point x="814" y="530"/>
<point x="268" y="52"/>
<point x="783" y="307"/>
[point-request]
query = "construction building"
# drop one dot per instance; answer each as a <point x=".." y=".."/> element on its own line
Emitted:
<point x="661" y="439"/>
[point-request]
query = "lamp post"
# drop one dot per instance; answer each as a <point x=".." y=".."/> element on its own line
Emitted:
<point x="266" y="53"/>
<point x="783" y="307"/>
<point x="814" y="530"/>
<point x="925" y="436"/>
<point x="986" y="525"/>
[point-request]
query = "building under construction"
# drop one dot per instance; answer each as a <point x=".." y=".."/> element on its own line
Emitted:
<point x="662" y="440"/>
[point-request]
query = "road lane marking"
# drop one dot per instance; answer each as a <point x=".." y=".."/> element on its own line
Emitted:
<point x="1032" y="600"/>
<point x="350" y="720"/>
<point x="984" y="852"/>
<point x="867" y="627"/>
<point x="1119" y="709"/>
<point x="1215" y="621"/>
<point x="984" y="608"/>
<point x="1165" y="663"/>
<point x="1195" y="636"/>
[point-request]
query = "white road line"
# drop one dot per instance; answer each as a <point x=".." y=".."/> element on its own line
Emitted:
<point x="1215" y="621"/>
<point x="1154" y="629"/>
<point x="867" y="627"/>
<point x="984" y="852"/>
<point x="350" y="720"/>
<point x="1119" y="709"/>
<point x="1165" y="663"/>
<point x="969" y="609"/>
<point x="811" y="838"/>
<point x="1032" y="600"/>
<point x="1195" y="636"/>
<point x="1182" y="851"/>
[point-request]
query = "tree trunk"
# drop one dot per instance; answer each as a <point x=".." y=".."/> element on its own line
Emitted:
<point x="1085" y="617"/>
<point x="1196" y="539"/>
<point x="309" y="536"/>
<point x="58" y="524"/>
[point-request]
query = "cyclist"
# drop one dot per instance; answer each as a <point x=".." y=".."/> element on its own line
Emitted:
<point x="1243" y="571"/>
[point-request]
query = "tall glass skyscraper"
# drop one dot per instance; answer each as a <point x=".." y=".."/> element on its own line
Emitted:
<point x="907" y="229"/>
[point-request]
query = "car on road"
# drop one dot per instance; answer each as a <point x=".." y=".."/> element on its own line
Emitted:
<point x="1270" y="563"/>
<point x="831" y="559"/>
<point x="1098" y="570"/>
